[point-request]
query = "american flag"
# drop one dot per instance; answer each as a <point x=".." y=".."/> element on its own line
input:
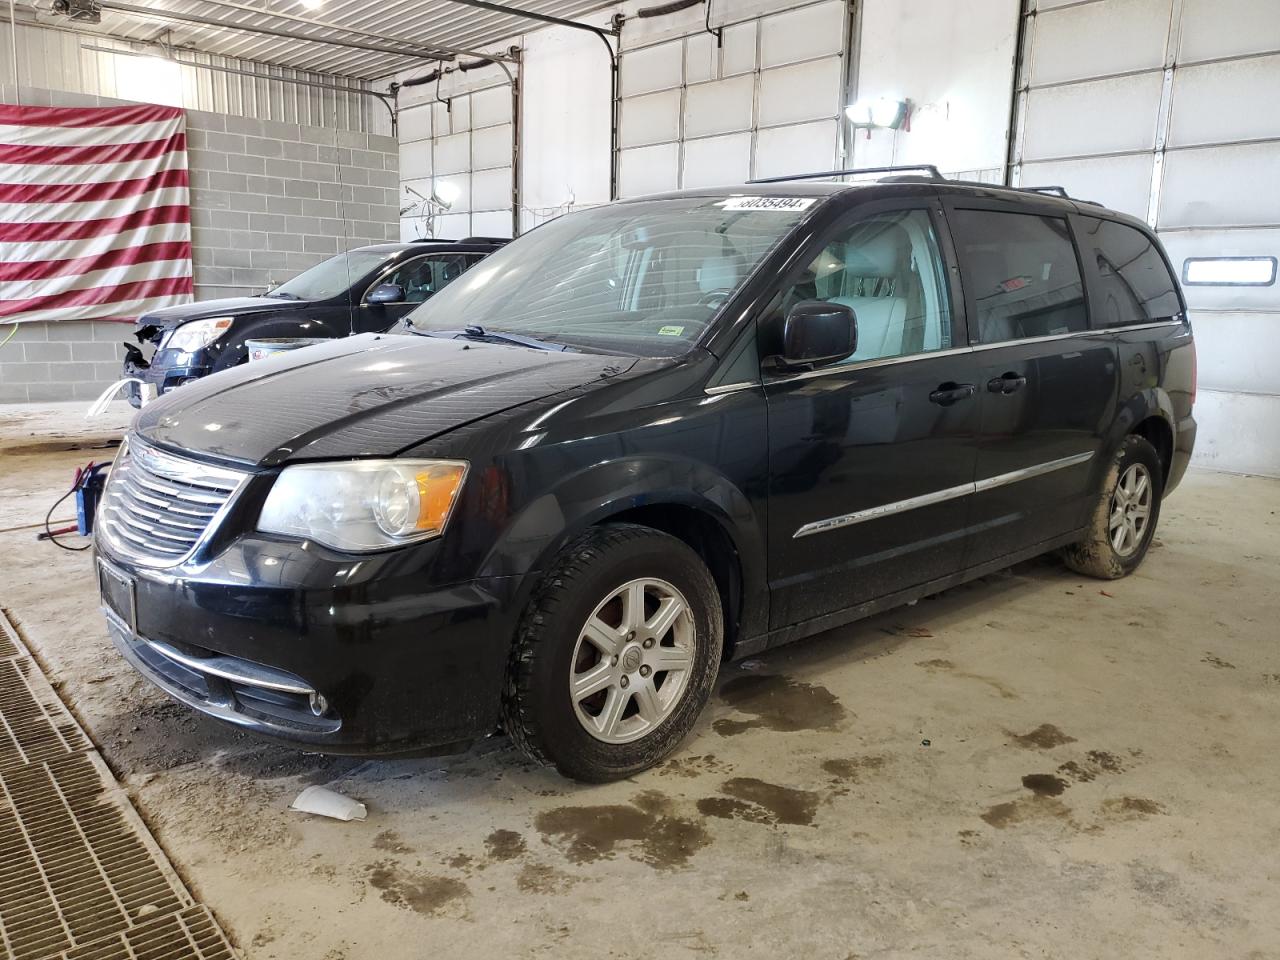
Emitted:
<point x="95" y="218"/>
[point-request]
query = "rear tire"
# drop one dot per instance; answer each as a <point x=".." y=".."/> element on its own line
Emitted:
<point x="615" y="655"/>
<point x="1123" y="520"/>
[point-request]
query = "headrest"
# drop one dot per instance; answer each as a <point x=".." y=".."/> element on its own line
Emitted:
<point x="877" y="250"/>
<point x="718" y="273"/>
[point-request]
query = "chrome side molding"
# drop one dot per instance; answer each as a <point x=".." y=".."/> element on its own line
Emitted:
<point x="939" y="496"/>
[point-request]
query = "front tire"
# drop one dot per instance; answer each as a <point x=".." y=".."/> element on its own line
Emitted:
<point x="1123" y="521"/>
<point x="615" y="655"/>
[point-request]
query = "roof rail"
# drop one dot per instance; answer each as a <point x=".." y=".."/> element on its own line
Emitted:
<point x="1054" y="190"/>
<point x="1057" y="191"/>
<point x="928" y="167"/>
<point x="497" y="240"/>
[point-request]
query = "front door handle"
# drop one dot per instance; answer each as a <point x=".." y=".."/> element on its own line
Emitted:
<point x="951" y="392"/>
<point x="1006" y="384"/>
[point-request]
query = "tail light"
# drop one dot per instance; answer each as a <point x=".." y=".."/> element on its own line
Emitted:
<point x="1194" y="371"/>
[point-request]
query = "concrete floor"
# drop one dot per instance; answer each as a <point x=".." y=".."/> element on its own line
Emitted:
<point x="1031" y="765"/>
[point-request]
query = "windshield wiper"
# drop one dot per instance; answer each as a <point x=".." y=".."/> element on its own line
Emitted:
<point x="282" y="296"/>
<point x="476" y="332"/>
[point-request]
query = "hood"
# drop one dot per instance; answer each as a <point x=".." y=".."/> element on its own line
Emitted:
<point x="367" y="396"/>
<point x="167" y="317"/>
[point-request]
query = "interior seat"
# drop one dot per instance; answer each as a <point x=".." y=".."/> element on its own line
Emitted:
<point x="881" y="319"/>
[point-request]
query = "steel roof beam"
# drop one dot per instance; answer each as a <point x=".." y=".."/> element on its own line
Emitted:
<point x="434" y="48"/>
<point x="397" y="48"/>
<point x="540" y="17"/>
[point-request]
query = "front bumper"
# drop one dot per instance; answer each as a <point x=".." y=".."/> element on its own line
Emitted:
<point x="163" y="374"/>
<point x="337" y="654"/>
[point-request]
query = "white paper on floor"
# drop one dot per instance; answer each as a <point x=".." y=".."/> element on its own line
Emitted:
<point x="326" y="803"/>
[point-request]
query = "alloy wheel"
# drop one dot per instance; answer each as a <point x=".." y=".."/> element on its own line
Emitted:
<point x="1130" y="510"/>
<point x="632" y="660"/>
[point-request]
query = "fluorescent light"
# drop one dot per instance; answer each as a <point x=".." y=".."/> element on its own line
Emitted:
<point x="879" y="112"/>
<point x="1229" y="271"/>
<point x="312" y="4"/>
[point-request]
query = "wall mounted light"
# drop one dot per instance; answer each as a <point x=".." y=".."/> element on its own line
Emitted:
<point x="446" y="193"/>
<point x="883" y="113"/>
<point x="1229" y="271"/>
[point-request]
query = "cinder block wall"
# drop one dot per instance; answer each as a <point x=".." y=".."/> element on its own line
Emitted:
<point x="268" y="200"/>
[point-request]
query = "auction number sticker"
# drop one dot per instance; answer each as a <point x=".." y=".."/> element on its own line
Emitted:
<point x="783" y="204"/>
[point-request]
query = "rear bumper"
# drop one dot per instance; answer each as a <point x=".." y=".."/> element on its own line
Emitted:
<point x="304" y="649"/>
<point x="1184" y="441"/>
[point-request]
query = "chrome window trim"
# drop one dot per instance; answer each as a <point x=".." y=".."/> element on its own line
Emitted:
<point x="972" y="348"/>
<point x="939" y="496"/>
<point x="183" y="470"/>
<point x="857" y="365"/>
<point x="730" y="387"/>
<point x="1179" y="320"/>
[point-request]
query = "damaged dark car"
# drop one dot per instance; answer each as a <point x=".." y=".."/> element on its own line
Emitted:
<point x="364" y="290"/>
<point x="641" y="440"/>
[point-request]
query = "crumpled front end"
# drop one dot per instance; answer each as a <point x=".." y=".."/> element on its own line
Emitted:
<point x="165" y="370"/>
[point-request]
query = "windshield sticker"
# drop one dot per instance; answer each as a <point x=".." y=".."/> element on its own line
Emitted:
<point x="670" y="331"/>
<point x="782" y="204"/>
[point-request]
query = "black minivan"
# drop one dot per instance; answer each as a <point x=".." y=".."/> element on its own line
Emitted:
<point x="364" y="290"/>
<point x="641" y="440"/>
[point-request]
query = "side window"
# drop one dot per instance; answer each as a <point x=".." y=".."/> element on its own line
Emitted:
<point x="1023" y="273"/>
<point x="888" y="268"/>
<point x="1134" y="285"/>
<point x="425" y="276"/>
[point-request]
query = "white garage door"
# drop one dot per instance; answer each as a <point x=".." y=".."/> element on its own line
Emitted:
<point x="1166" y="109"/>
<point x="764" y="103"/>
<point x="463" y="152"/>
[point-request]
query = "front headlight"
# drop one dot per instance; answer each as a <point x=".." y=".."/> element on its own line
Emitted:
<point x="196" y="334"/>
<point x="363" y="504"/>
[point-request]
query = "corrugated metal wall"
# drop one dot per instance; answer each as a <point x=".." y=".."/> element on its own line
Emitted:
<point x="56" y="59"/>
<point x="1166" y="109"/>
<point x="766" y="102"/>
<point x="461" y="144"/>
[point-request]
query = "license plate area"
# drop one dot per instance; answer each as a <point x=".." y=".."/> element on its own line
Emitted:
<point x="119" y="594"/>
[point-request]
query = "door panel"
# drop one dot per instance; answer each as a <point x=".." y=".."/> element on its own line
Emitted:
<point x="1048" y="383"/>
<point x="1039" y="441"/>
<point x="871" y="459"/>
<point x="859" y="455"/>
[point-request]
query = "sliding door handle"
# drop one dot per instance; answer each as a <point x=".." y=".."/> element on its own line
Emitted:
<point x="951" y="392"/>
<point x="1009" y="383"/>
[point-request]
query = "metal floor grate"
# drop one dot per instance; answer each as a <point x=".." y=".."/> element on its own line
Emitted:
<point x="34" y="725"/>
<point x="80" y="875"/>
<point x="8" y="639"/>
<point x="191" y="934"/>
<point x="72" y="865"/>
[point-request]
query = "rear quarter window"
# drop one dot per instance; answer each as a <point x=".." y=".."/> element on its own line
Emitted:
<point x="1134" y="283"/>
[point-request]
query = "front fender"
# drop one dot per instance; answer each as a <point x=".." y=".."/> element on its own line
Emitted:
<point x="596" y="493"/>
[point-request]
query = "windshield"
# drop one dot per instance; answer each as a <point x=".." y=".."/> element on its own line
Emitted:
<point x="329" y="277"/>
<point x="640" y="278"/>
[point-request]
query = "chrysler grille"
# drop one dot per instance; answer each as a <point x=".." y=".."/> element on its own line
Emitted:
<point x="157" y="507"/>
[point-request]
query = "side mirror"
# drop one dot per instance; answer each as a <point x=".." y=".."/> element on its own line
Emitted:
<point x="386" y="293"/>
<point x="818" y="332"/>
